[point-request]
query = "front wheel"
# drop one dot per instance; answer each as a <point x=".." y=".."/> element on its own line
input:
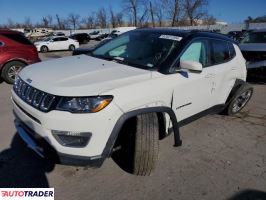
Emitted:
<point x="239" y="100"/>
<point x="71" y="47"/>
<point x="44" y="49"/>
<point x="138" y="145"/>
<point x="11" y="70"/>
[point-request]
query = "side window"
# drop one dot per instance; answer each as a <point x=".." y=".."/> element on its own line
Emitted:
<point x="197" y="51"/>
<point x="64" y="39"/>
<point x="56" y="39"/>
<point x="220" y="52"/>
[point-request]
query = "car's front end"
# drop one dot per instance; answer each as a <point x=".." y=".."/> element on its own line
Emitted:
<point x="39" y="44"/>
<point x="71" y="111"/>
<point x="76" y="127"/>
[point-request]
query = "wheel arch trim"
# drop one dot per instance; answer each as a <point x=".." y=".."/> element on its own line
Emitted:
<point x="120" y="122"/>
<point x="237" y="85"/>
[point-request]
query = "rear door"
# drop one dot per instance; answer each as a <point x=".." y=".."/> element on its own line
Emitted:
<point x="193" y="91"/>
<point x="64" y="43"/>
<point x="55" y="44"/>
<point x="225" y="70"/>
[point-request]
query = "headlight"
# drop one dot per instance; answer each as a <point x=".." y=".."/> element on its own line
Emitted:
<point x="84" y="104"/>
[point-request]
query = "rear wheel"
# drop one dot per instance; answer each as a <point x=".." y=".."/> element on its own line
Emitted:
<point x="239" y="100"/>
<point x="71" y="47"/>
<point x="138" y="145"/>
<point x="10" y="71"/>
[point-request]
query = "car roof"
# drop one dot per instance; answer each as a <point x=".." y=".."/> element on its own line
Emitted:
<point x="5" y="31"/>
<point x="186" y="33"/>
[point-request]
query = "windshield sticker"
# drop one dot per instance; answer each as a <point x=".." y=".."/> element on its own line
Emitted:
<point x="171" y="37"/>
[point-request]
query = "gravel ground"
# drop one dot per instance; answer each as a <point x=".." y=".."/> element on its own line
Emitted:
<point x="221" y="158"/>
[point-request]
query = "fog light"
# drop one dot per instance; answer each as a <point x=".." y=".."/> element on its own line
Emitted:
<point x="72" y="139"/>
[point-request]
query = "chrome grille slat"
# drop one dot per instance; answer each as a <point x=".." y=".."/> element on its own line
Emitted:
<point x="32" y="96"/>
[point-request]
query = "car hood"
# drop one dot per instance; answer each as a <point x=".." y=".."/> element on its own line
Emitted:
<point x="81" y="76"/>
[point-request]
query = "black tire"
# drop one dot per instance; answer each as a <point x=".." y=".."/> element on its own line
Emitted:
<point x="71" y="47"/>
<point x="44" y="49"/>
<point x="139" y="142"/>
<point x="239" y="100"/>
<point x="10" y="71"/>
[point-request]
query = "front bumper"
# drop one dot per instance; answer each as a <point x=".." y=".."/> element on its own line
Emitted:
<point x="45" y="150"/>
<point x="30" y="120"/>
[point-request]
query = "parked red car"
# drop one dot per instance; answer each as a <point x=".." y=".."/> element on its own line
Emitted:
<point x="16" y="51"/>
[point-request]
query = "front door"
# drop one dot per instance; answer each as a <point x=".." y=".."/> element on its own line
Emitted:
<point x="194" y="90"/>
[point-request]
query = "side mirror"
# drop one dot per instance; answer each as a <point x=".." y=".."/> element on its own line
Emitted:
<point x="191" y="65"/>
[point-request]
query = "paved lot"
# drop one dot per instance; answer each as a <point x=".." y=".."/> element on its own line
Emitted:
<point x="221" y="157"/>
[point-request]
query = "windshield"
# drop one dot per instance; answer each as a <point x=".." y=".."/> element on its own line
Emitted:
<point x="254" y="37"/>
<point x="141" y="49"/>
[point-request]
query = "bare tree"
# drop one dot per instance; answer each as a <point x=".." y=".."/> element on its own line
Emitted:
<point x="45" y="22"/>
<point x="113" y="19"/>
<point x="89" y="21"/>
<point x="50" y="20"/>
<point x="172" y="9"/>
<point x="158" y="11"/>
<point x="28" y="23"/>
<point x="10" y="23"/>
<point x="134" y="8"/>
<point x="73" y="20"/>
<point x="102" y="17"/>
<point x="143" y="19"/>
<point x="60" y="25"/>
<point x="119" y="19"/>
<point x="152" y="14"/>
<point x="195" y="10"/>
<point x="210" y="20"/>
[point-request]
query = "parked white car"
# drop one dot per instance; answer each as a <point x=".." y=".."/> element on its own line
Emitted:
<point x="125" y="95"/>
<point x="56" y="43"/>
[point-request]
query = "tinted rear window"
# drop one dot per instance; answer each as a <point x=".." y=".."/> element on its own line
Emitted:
<point x="220" y="51"/>
<point x="18" y="38"/>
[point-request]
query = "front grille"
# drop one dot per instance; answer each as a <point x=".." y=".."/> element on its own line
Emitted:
<point x="34" y="97"/>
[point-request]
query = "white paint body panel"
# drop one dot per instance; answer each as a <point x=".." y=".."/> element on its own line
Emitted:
<point x="132" y="88"/>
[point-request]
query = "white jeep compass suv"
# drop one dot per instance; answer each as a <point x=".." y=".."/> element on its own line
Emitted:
<point x="125" y="95"/>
